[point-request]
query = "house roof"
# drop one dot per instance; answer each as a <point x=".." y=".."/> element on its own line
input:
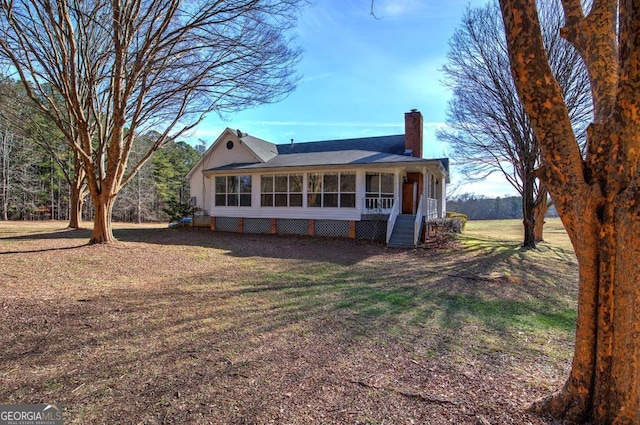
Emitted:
<point x="387" y="144"/>
<point x="263" y="149"/>
<point x="378" y="150"/>
<point x="313" y="159"/>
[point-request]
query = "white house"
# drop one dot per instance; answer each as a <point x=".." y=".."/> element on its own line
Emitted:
<point x="372" y="187"/>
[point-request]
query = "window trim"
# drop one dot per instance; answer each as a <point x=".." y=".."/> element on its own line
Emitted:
<point x="379" y="193"/>
<point x="273" y="193"/>
<point x="238" y="192"/>
<point x="339" y="193"/>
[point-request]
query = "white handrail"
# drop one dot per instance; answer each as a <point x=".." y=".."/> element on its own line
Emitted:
<point x="417" y="225"/>
<point x="391" y="221"/>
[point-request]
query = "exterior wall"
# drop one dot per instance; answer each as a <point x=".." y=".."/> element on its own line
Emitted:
<point x="218" y="155"/>
<point x="199" y="188"/>
<point x="304" y="212"/>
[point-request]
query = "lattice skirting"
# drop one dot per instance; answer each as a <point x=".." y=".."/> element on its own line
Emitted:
<point x="257" y="225"/>
<point x="336" y="228"/>
<point x="365" y="229"/>
<point x="227" y="224"/>
<point x="290" y="226"/>
<point x="375" y="230"/>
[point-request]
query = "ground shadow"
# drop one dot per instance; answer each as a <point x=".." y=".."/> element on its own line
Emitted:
<point x="332" y="338"/>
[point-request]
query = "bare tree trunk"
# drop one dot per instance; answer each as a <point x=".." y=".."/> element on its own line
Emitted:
<point x="539" y="214"/>
<point x="540" y="211"/>
<point x="102" y="228"/>
<point x="603" y="384"/>
<point x="6" y="141"/>
<point x="78" y="188"/>
<point x="528" y="212"/>
<point x="138" y="200"/>
<point x="76" y="200"/>
<point x="597" y="198"/>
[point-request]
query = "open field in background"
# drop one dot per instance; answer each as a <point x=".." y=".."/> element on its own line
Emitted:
<point x="189" y="326"/>
<point x="511" y="231"/>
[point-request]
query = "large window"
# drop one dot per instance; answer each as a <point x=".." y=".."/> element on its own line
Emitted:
<point x="331" y="190"/>
<point x="281" y="190"/>
<point x="233" y="191"/>
<point x="379" y="185"/>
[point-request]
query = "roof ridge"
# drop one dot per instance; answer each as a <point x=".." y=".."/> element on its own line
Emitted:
<point x="344" y="139"/>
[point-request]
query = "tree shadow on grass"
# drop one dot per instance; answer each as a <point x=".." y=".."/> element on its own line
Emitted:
<point x="289" y="340"/>
<point x="334" y="250"/>
<point x="62" y="239"/>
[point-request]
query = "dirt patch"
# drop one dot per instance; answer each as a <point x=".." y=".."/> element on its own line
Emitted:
<point x="190" y="326"/>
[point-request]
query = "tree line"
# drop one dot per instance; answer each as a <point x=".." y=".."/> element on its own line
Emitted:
<point x="37" y="169"/>
<point x="479" y="207"/>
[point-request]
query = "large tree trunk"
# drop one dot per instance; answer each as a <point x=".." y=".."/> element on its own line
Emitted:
<point x="604" y="383"/>
<point x="75" y="209"/>
<point x="597" y="197"/>
<point x="102" y="229"/>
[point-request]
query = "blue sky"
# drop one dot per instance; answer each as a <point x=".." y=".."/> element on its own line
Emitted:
<point x="360" y="75"/>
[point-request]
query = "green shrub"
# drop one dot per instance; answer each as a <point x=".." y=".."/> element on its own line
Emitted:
<point x="178" y="210"/>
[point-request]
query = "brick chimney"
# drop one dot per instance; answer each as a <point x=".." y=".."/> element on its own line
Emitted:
<point x="413" y="132"/>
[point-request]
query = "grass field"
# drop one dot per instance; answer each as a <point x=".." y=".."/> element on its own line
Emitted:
<point x="190" y="326"/>
<point x="511" y="231"/>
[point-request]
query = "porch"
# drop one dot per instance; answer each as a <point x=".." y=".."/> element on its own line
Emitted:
<point x="384" y="206"/>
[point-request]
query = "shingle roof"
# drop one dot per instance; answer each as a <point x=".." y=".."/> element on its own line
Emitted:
<point x="367" y="150"/>
<point x="265" y="150"/>
<point x="387" y="144"/>
<point x="312" y="159"/>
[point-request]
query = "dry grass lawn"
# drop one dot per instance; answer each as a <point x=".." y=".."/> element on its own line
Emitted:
<point x="189" y="326"/>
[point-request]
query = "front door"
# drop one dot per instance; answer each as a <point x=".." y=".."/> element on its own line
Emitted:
<point x="408" y="197"/>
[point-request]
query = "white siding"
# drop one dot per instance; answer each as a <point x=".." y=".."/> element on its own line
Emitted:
<point x="200" y="186"/>
<point x="256" y="211"/>
<point x="220" y="155"/>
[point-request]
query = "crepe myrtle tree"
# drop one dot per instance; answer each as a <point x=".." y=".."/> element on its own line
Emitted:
<point x="125" y="67"/>
<point x="488" y="128"/>
<point x="596" y="193"/>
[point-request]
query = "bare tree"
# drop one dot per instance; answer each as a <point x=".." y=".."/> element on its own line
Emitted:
<point x="596" y="193"/>
<point x="488" y="128"/>
<point x="19" y="113"/>
<point x="123" y="68"/>
<point x="6" y="144"/>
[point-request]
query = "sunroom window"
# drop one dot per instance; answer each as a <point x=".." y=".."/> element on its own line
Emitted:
<point x="331" y="190"/>
<point x="233" y="191"/>
<point x="281" y="190"/>
<point x="379" y="185"/>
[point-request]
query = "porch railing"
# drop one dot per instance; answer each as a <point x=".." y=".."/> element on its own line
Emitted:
<point x="392" y="220"/>
<point x="417" y="226"/>
<point x="378" y="205"/>
<point x="432" y="209"/>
